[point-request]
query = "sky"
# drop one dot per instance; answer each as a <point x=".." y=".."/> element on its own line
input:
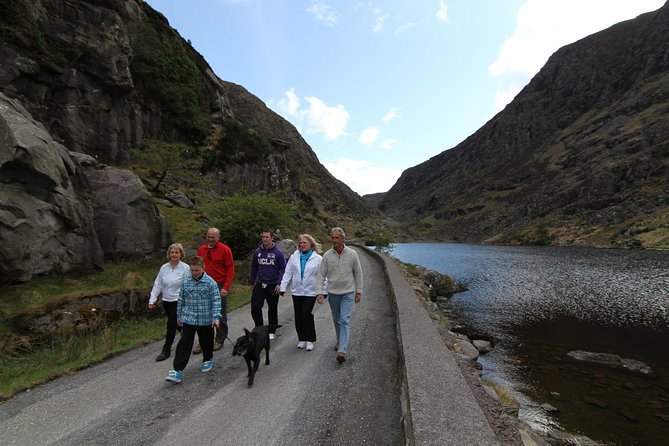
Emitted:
<point x="376" y="87"/>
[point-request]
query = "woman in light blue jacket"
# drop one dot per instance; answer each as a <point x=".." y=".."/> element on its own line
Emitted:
<point x="301" y="272"/>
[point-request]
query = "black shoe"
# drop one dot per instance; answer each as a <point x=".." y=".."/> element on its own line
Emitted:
<point x="162" y="356"/>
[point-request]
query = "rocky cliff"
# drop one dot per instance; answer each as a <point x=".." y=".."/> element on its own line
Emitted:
<point x="581" y="155"/>
<point x="102" y="78"/>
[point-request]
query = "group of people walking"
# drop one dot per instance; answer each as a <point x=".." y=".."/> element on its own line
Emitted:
<point x="195" y="296"/>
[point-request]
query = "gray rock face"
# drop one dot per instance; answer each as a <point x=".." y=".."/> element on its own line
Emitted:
<point x="127" y="222"/>
<point x="60" y="209"/>
<point x="87" y="105"/>
<point x="46" y="219"/>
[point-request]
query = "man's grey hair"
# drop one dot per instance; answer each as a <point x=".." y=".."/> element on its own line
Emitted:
<point x="339" y="230"/>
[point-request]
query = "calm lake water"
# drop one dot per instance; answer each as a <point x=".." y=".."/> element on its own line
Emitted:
<point x="539" y="303"/>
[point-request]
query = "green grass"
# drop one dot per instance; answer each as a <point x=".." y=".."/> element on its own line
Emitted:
<point x="32" y="295"/>
<point x="66" y="354"/>
<point x="18" y="372"/>
<point x="184" y="224"/>
<point x="504" y="394"/>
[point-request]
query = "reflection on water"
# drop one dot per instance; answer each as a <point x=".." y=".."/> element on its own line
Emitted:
<point x="542" y="302"/>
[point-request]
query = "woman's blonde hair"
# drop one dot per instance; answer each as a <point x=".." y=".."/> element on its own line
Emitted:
<point x="311" y="240"/>
<point x="178" y="246"/>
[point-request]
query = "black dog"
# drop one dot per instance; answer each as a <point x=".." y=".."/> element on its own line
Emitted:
<point x="250" y="345"/>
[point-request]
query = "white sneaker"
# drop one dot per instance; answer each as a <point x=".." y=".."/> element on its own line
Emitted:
<point x="301" y="344"/>
<point x="310" y="346"/>
<point x="271" y="336"/>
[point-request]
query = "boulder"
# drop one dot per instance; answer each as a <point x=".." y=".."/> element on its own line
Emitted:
<point x="127" y="221"/>
<point x="46" y="216"/>
<point x="180" y="199"/>
<point x="613" y="361"/>
<point x="482" y="346"/>
<point x="288" y="246"/>
<point x="61" y="209"/>
<point x="466" y="348"/>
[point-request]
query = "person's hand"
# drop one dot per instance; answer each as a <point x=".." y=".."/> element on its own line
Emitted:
<point x="152" y="306"/>
<point x="277" y="288"/>
<point x="358" y="296"/>
<point x="224" y="292"/>
<point x="216" y="323"/>
<point x="319" y="298"/>
<point x="179" y="323"/>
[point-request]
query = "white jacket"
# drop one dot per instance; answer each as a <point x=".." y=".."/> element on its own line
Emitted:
<point x="168" y="282"/>
<point x="302" y="286"/>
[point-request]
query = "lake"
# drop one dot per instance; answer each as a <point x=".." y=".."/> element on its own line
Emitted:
<point x="539" y="303"/>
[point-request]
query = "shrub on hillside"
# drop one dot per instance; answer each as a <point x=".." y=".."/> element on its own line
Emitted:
<point x="240" y="218"/>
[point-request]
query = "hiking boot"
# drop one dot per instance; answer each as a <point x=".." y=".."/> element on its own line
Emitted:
<point x="162" y="356"/>
<point x="197" y="350"/>
<point x="174" y="376"/>
<point x="206" y="366"/>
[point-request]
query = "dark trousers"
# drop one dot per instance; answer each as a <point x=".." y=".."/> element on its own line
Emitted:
<point x="171" y="312"/>
<point x="222" y="330"/>
<point x="206" y="335"/>
<point x="304" y="319"/>
<point x="262" y="292"/>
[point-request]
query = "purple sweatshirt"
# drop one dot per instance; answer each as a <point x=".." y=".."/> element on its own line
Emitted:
<point x="268" y="265"/>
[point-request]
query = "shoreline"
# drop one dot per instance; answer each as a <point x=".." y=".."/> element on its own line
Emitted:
<point x="499" y="406"/>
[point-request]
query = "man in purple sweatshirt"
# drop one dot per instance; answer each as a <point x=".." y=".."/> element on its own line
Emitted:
<point x="267" y="269"/>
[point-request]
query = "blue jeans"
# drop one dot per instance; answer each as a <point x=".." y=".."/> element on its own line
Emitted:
<point x="341" y="306"/>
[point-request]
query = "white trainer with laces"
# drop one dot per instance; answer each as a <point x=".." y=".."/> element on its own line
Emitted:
<point x="271" y="336"/>
<point x="310" y="346"/>
<point x="301" y="344"/>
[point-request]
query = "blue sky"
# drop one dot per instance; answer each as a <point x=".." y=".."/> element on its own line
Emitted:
<point x="376" y="87"/>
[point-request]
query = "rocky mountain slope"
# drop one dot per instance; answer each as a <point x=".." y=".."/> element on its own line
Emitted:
<point x="581" y="155"/>
<point x="110" y="79"/>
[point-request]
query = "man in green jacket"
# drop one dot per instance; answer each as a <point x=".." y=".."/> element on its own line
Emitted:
<point x="341" y="267"/>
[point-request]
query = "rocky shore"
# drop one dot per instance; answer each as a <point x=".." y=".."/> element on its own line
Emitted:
<point x="500" y="407"/>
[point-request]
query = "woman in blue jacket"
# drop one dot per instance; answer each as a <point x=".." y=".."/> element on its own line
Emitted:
<point x="301" y="272"/>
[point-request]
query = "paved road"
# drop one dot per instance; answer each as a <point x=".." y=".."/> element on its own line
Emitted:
<point x="300" y="398"/>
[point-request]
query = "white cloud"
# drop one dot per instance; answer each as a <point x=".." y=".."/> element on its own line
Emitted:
<point x="331" y="121"/>
<point x="379" y="19"/>
<point x="387" y="144"/>
<point x="315" y="116"/>
<point x="368" y="136"/>
<point x="362" y="176"/>
<point x="442" y="14"/>
<point x="542" y="27"/>
<point x="392" y="114"/>
<point x="324" y="12"/>
<point x="290" y="103"/>
<point x="404" y="28"/>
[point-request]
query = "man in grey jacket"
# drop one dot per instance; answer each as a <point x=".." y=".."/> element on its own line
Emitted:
<point x="341" y="267"/>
